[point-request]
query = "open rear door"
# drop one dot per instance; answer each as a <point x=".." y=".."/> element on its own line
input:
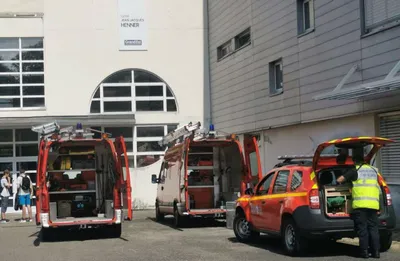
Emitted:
<point x="40" y="180"/>
<point x="125" y="179"/>
<point x="253" y="159"/>
<point x="349" y="143"/>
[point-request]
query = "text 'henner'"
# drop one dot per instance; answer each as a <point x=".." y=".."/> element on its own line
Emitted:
<point x="129" y="24"/>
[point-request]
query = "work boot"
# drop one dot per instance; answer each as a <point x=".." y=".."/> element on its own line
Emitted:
<point x="364" y="254"/>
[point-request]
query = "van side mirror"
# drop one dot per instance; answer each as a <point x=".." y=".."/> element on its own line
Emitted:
<point x="249" y="191"/>
<point x="154" y="179"/>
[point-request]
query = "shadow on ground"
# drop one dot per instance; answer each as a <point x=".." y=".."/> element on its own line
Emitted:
<point x="317" y="249"/>
<point x="191" y="223"/>
<point x="74" y="235"/>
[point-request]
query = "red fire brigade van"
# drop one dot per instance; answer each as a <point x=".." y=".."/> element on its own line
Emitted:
<point x="201" y="172"/>
<point x="82" y="182"/>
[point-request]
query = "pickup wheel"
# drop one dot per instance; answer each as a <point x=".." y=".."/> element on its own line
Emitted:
<point x="242" y="229"/>
<point x="159" y="215"/>
<point x="293" y="242"/>
<point x="385" y="241"/>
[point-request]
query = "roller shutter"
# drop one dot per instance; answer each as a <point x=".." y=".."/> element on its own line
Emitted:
<point x="390" y="155"/>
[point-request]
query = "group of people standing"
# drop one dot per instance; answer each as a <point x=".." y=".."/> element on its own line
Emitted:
<point x="24" y="194"/>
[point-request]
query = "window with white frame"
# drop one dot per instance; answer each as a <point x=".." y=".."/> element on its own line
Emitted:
<point x="380" y="14"/>
<point x="141" y="142"/>
<point x="276" y="77"/>
<point x="19" y="147"/>
<point x="132" y="91"/>
<point x="21" y="73"/>
<point x="305" y="16"/>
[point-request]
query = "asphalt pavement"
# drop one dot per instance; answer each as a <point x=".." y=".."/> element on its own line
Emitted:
<point x="145" y="239"/>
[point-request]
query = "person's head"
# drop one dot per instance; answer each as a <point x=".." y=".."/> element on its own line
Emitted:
<point x="21" y="170"/>
<point x="341" y="158"/>
<point x="6" y="173"/>
<point x="358" y="155"/>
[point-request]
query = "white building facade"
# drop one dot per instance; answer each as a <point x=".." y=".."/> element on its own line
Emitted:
<point x="126" y="67"/>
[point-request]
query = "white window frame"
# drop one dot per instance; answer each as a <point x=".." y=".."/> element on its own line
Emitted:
<point x="133" y="98"/>
<point x="273" y="83"/>
<point x="21" y="74"/>
<point x="302" y="16"/>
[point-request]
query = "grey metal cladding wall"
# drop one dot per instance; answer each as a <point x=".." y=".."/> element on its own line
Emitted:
<point x="240" y="88"/>
<point x="312" y="64"/>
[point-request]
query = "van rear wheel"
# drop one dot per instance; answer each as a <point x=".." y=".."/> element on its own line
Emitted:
<point x="178" y="220"/>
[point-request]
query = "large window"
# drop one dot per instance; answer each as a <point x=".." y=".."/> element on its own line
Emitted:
<point x="18" y="147"/>
<point x="380" y="14"/>
<point x="21" y="73"/>
<point x="141" y="142"/>
<point x="132" y="91"/>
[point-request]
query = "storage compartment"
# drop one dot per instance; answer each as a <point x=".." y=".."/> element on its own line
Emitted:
<point x="64" y="208"/>
<point x="81" y="180"/>
<point x="214" y="173"/>
<point x="337" y="200"/>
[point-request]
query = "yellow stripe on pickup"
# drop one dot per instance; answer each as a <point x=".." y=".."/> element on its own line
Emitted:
<point x="281" y="195"/>
<point x="312" y="175"/>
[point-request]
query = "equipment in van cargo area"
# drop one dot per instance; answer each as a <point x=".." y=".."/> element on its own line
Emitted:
<point x="201" y="171"/>
<point x="86" y="180"/>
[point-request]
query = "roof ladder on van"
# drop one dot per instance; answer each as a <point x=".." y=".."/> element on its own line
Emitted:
<point x="53" y="131"/>
<point x="180" y="133"/>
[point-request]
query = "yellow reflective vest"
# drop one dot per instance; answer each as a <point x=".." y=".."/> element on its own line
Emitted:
<point x="365" y="192"/>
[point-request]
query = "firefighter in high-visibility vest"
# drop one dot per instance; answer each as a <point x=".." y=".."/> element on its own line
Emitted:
<point x="365" y="197"/>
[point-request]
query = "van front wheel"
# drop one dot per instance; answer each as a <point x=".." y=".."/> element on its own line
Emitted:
<point x="159" y="215"/>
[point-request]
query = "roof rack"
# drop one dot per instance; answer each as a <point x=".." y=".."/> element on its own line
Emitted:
<point x="180" y="133"/>
<point x="53" y="131"/>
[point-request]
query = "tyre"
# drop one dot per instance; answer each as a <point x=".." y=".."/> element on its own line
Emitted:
<point x="159" y="215"/>
<point x="178" y="220"/>
<point x="385" y="241"/>
<point x="47" y="234"/>
<point x="293" y="242"/>
<point x="114" y="231"/>
<point x="242" y="229"/>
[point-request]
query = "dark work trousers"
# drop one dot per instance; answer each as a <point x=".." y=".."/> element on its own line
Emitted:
<point x="366" y="226"/>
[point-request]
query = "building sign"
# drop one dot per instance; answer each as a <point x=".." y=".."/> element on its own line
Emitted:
<point x="132" y="24"/>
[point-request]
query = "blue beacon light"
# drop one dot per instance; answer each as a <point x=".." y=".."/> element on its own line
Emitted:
<point x="211" y="127"/>
<point x="79" y="126"/>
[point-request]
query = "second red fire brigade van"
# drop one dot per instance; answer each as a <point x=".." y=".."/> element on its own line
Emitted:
<point x="200" y="173"/>
<point x="82" y="182"/>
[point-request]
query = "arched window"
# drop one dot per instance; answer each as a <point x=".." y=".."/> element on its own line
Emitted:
<point x="132" y="90"/>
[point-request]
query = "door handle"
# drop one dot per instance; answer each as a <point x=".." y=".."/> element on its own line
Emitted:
<point x="162" y="188"/>
<point x="263" y="202"/>
<point x="281" y="201"/>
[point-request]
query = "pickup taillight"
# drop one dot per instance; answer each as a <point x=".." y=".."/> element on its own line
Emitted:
<point x="388" y="196"/>
<point x="314" y="199"/>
